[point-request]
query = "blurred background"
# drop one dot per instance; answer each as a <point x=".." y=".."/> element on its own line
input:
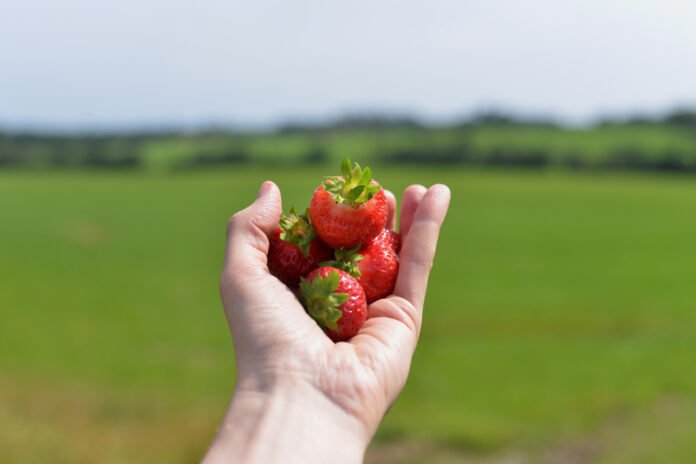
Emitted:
<point x="561" y="314"/>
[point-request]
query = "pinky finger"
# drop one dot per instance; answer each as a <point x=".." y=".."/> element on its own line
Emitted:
<point x="418" y="250"/>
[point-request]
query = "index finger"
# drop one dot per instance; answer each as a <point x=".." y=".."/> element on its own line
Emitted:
<point x="418" y="249"/>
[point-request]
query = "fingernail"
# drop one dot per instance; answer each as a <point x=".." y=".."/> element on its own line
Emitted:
<point x="442" y="189"/>
<point x="265" y="187"/>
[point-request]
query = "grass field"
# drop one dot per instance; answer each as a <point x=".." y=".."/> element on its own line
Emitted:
<point x="559" y="325"/>
<point x="633" y="146"/>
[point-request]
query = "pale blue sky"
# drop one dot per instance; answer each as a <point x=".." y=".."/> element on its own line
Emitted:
<point x="90" y="63"/>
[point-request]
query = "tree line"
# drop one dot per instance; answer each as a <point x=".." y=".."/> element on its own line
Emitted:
<point x="488" y="139"/>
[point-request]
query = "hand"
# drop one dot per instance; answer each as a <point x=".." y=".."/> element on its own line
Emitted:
<point x="299" y="396"/>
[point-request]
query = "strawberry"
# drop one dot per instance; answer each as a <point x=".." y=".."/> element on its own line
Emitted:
<point x="375" y="265"/>
<point x="335" y="300"/>
<point x="349" y="210"/>
<point x="391" y="238"/>
<point x="294" y="249"/>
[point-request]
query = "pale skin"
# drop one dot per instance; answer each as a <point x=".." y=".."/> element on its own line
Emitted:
<point x="299" y="397"/>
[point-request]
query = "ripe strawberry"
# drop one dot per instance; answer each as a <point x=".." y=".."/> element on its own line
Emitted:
<point x="349" y="210"/>
<point x="375" y="265"/>
<point x="335" y="300"/>
<point x="391" y="238"/>
<point x="294" y="249"/>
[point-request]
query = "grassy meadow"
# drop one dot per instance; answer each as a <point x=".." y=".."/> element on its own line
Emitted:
<point x="559" y="324"/>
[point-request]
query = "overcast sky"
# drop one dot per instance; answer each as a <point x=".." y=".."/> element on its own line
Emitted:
<point x="91" y="63"/>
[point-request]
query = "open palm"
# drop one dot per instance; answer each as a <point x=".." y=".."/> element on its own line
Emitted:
<point x="276" y="342"/>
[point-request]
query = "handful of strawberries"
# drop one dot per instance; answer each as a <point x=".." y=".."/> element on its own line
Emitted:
<point x="338" y="253"/>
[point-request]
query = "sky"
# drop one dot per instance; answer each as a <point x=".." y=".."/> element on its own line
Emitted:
<point x="131" y="63"/>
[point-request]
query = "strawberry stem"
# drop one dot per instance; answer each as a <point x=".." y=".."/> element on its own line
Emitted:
<point x="321" y="299"/>
<point x="296" y="228"/>
<point x="354" y="187"/>
<point x="346" y="260"/>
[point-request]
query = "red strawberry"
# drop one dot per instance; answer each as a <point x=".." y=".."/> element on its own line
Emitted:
<point x="294" y="249"/>
<point x="375" y="265"/>
<point x="349" y="210"/>
<point x="391" y="238"/>
<point x="335" y="300"/>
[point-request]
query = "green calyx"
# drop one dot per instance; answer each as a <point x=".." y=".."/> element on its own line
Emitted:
<point x="353" y="187"/>
<point x="321" y="299"/>
<point x="296" y="228"/>
<point x="346" y="260"/>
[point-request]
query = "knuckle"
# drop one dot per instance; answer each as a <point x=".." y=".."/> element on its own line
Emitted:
<point x="432" y="224"/>
<point x="406" y="313"/>
<point x="423" y="263"/>
<point x="234" y="222"/>
<point x="421" y="259"/>
<point x="410" y="316"/>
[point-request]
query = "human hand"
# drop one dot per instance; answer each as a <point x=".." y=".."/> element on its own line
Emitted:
<point x="299" y="396"/>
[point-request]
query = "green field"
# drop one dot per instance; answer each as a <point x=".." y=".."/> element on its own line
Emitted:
<point x="559" y="324"/>
<point x="591" y="146"/>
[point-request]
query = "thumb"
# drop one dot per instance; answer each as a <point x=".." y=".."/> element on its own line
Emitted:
<point x="248" y="230"/>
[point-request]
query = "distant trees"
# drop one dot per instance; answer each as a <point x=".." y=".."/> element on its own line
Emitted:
<point x="682" y="117"/>
<point x="38" y="150"/>
<point x="486" y="139"/>
<point x="353" y="122"/>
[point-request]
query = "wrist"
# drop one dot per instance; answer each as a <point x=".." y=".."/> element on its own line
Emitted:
<point x="287" y="422"/>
